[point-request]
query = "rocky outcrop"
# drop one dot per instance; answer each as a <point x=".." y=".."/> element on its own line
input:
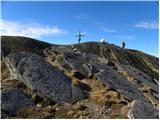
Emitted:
<point x="42" y="78"/>
<point x="140" y="76"/>
<point x="67" y="60"/>
<point x="87" y="80"/>
<point x="93" y="65"/>
<point x="125" y="79"/>
<point x="145" y="83"/>
<point x="142" y="110"/>
<point x="137" y="59"/>
<point x="13" y="100"/>
<point x="119" y="83"/>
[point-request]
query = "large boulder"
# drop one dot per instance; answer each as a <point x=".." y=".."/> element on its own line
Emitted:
<point x="41" y="77"/>
<point x="77" y="93"/>
<point x="142" y="110"/>
<point x="13" y="100"/>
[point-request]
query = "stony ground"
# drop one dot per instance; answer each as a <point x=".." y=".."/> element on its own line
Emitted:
<point x="89" y="80"/>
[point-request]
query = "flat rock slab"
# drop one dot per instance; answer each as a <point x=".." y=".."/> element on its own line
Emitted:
<point x="41" y="77"/>
<point x="116" y="81"/>
<point x="142" y="110"/>
<point x="13" y="100"/>
<point x="140" y="76"/>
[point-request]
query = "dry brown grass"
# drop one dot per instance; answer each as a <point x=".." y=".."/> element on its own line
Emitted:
<point x="60" y="56"/>
<point x="145" y="89"/>
<point x="103" y="95"/>
<point x="128" y="76"/>
<point x="119" y="111"/>
<point x="36" y="113"/>
<point x="5" y="74"/>
<point x="75" y="81"/>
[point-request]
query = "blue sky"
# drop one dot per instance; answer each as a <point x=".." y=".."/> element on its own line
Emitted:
<point x="136" y="23"/>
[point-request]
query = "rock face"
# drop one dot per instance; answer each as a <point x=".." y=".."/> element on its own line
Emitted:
<point x="90" y="64"/>
<point x="67" y="59"/>
<point x="141" y="77"/>
<point x="13" y="100"/>
<point x="87" y="80"/>
<point x="142" y="110"/>
<point x="47" y="81"/>
<point x="119" y="83"/>
<point x="137" y="59"/>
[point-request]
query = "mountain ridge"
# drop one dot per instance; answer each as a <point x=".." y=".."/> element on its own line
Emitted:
<point x="4" y="37"/>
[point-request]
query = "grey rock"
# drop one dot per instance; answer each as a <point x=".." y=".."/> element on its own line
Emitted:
<point x="61" y="49"/>
<point x="13" y="100"/>
<point x="77" y="93"/>
<point x="90" y="69"/>
<point x="76" y="61"/>
<point x="89" y="63"/>
<point x="84" y="63"/>
<point x="142" y="110"/>
<point x="140" y="76"/>
<point x="4" y="115"/>
<point x="40" y="76"/>
<point x="116" y="81"/>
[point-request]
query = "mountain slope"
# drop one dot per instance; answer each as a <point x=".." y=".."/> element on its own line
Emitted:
<point x="137" y="59"/>
<point x="87" y="80"/>
<point x="17" y="43"/>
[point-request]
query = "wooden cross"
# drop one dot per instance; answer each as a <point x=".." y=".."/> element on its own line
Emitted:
<point x="79" y="35"/>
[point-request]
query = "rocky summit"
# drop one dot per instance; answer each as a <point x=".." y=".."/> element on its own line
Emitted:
<point x="90" y="80"/>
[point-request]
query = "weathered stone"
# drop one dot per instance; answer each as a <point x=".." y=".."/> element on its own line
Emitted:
<point x="90" y="69"/>
<point x="77" y="93"/>
<point x="13" y="100"/>
<point x="90" y="64"/>
<point x="4" y="115"/>
<point x="116" y="81"/>
<point x="142" y="110"/>
<point x="62" y="49"/>
<point x="140" y="76"/>
<point x="83" y="63"/>
<point x="40" y="76"/>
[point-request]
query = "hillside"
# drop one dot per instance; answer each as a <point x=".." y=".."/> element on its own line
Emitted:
<point x="16" y="44"/>
<point x="88" y="80"/>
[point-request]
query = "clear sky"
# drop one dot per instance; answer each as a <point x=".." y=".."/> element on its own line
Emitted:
<point x="136" y="23"/>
